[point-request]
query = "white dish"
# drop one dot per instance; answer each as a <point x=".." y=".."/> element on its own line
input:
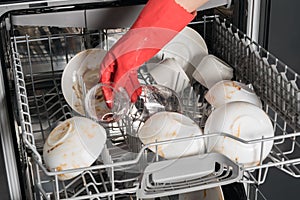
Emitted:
<point x="75" y="143"/>
<point x="230" y="91"/>
<point x="168" y="73"/>
<point x="194" y="35"/>
<point x="188" y="47"/>
<point x="85" y="64"/>
<point x="207" y="194"/>
<point x="212" y="70"/>
<point x="164" y="126"/>
<point x="242" y="120"/>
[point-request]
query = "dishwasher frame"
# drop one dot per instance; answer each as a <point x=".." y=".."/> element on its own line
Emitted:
<point x="9" y="137"/>
<point x="242" y="54"/>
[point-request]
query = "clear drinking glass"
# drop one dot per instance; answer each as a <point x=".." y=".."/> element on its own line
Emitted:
<point x="96" y="106"/>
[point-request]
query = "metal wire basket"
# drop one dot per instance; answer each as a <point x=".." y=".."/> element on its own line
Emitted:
<point x="120" y="171"/>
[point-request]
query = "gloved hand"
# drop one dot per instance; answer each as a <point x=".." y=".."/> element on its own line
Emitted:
<point x="157" y="24"/>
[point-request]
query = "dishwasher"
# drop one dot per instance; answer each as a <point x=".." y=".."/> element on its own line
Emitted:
<point x="38" y="39"/>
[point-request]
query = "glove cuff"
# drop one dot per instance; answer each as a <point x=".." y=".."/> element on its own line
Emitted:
<point x="163" y="14"/>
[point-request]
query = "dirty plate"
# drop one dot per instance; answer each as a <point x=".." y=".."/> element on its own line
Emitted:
<point x="85" y="64"/>
<point x="164" y="126"/>
<point x="74" y="143"/>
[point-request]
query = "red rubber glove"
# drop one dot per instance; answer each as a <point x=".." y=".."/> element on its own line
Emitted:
<point x="157" y="24"/>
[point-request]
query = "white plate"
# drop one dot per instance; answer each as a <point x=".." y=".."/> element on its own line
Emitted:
<point x="86" y="63"/>
<point x="164" y="126"/>
<point x="188" y="47"/>
<point x="194" y="35"/>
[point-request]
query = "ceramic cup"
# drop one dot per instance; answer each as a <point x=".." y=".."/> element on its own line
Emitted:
<point x="170" y="74"/>
<point x="242" y="120"/>
<point x="230" y="91"/>
<point x="212" y="70"/>
<point x="74" y="143"/>
<point x="164" y="126"/>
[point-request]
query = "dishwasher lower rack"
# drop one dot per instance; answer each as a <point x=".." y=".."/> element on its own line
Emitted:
<point x="120" y="171"/>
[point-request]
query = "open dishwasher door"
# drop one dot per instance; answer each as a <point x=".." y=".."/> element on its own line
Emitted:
<point x="39" y="39"/>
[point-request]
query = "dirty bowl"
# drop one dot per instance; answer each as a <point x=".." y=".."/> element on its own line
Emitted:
<point x="212" y="70"/>
<point x="241" y="120"/>
<point x="169" y="73"/>
<point x="75" y="143"/>
<point x="188" y="48"/>
<point x="164" y="126"/>
<point x="230" y="91"/>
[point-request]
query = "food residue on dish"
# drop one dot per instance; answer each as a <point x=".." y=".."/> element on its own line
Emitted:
<point x="99" y="107"/>
<point x="75" y="166"/>
<point x="61" y="167"/>
<point x="229" y="94"/>
<point x="160" y="151"/>
<point x="89" y="134"/>
<point x="236" y="129"/>
<point x="171" y="135"/>
<point x="52" y="148"/>
<point x="236" y="159"/>
<point x="90" y="77"/>
<point x="204" y="193"/>
<point x="108" y="117"/>
<point x="239" y="131"/>
<point x="58" y="133"/>
<point x="233" y="84"/>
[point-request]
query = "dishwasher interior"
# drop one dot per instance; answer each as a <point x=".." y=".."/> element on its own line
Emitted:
<point x="37" y="56"/>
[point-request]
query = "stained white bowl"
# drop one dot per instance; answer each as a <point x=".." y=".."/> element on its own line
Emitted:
<point x="212" y="70"/>
<point x="169" y="73"/>
<point x="188" y="48"/>
<point x="230" y="91"/>
<point x="164" y="126"/>
<point x="188" y="44"/>
<point x="75" y="143"/>
<point x="242" y="120"/>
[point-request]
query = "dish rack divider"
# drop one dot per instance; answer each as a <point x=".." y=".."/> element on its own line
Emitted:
<point x="117" y="172"/>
